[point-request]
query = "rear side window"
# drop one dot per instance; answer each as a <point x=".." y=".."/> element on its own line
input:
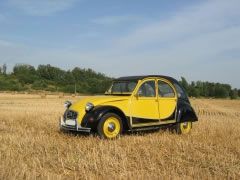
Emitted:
<point x="165" y="90"/>
<point x="180" y="91"/>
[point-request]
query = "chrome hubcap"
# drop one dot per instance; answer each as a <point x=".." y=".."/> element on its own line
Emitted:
<point x="185" y="125"/>
<point x="111" y="127"/>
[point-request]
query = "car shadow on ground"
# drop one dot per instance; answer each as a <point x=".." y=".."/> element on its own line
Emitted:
<point x="124" y="134"/>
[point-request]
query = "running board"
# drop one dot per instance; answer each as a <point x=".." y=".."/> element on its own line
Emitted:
<point x="165" y="126"/>
<point x="144" y="129"/>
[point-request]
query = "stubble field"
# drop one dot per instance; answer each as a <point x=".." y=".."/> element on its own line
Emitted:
<point x="31" y="146"/>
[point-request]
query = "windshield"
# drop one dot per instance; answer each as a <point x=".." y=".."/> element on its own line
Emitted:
<point x="122" y="87"/>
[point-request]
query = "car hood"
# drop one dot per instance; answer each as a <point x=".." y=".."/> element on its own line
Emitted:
<point x="97" y="100"/>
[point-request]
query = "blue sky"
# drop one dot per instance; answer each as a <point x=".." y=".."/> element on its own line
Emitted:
<point x="199" y="40"/>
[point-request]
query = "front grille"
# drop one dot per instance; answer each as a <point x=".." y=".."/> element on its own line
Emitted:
<point x="70" y="114"/>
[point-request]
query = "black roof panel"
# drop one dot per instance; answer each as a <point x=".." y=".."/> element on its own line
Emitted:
<point x="136" y="78"/>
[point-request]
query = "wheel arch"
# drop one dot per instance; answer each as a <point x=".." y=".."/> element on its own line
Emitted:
<point x="99" y="111"/>
<point x="185" y="112"/>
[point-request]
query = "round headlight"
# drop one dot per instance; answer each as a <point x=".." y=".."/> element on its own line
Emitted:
<point x="67" y="104"/>
<point x="89" y="107"/>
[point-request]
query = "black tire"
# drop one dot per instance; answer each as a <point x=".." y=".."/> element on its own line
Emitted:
<point x="114" y="124"/>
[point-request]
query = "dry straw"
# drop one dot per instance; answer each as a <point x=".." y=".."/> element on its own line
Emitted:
<point x="33" y="148"/>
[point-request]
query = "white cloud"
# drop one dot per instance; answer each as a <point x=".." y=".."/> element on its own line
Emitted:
<point x="187" y="24"/>
<point x="112" y="20"/>
<point x="194" y="43"/>
<point x="42" y="7"/>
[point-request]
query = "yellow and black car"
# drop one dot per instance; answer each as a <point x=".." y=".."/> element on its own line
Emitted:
<point x="132" y="103"/>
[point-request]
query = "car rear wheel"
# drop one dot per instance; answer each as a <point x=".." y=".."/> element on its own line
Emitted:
<point x="110" y="126"/>
<point x="184" y="127"/>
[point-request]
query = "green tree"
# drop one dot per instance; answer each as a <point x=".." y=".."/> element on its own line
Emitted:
<point x="221" y="91"/>
<point x="51" y="78"/>
<point x="234" y="94"/>
<point x="39" y="85"/>
<point x="51" y="73"/>
<point x="193" y="91"/>
<point x="25" y="73"/>
<point x="211" y="90"/>
<point x="8" y="83"/>
<point x="184" y="83"/>
<point x="69" y="78"/>
<point x="4" y="69"/>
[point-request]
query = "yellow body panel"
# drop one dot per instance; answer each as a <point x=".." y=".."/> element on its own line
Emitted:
<point x="152" y="108"/>
<point x="167" y="107"/>
<point x="124" y="105"/>
<point x="121" y="102"/>
<point x="146" y="108"/>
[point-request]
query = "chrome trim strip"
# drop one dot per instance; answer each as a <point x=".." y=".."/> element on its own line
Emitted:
<point x="76" y="128"/>
<point x="154" y="124"/>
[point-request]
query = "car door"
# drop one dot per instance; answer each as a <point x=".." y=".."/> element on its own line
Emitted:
<point x="144" y="105"/>
<point x="167" y="100"/>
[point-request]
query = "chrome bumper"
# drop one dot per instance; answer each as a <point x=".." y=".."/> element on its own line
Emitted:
<point x="72" y="125"/>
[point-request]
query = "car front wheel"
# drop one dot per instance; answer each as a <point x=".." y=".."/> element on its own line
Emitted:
<point x="110" y="126"/>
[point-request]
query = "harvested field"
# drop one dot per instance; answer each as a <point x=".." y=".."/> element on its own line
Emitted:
<point x="32" y="146"/>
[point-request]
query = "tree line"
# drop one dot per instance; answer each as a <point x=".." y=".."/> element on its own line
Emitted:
<point x="209" y="89"/>
<point x="25" y="77"/>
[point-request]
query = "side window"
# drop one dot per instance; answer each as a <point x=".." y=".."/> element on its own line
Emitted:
<point x="147" y="89"/>
<point x="117" y="87"/>
<point x="165" y="90"/>
<point x="131" y="86"/>
<point x="180" y="92"/>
